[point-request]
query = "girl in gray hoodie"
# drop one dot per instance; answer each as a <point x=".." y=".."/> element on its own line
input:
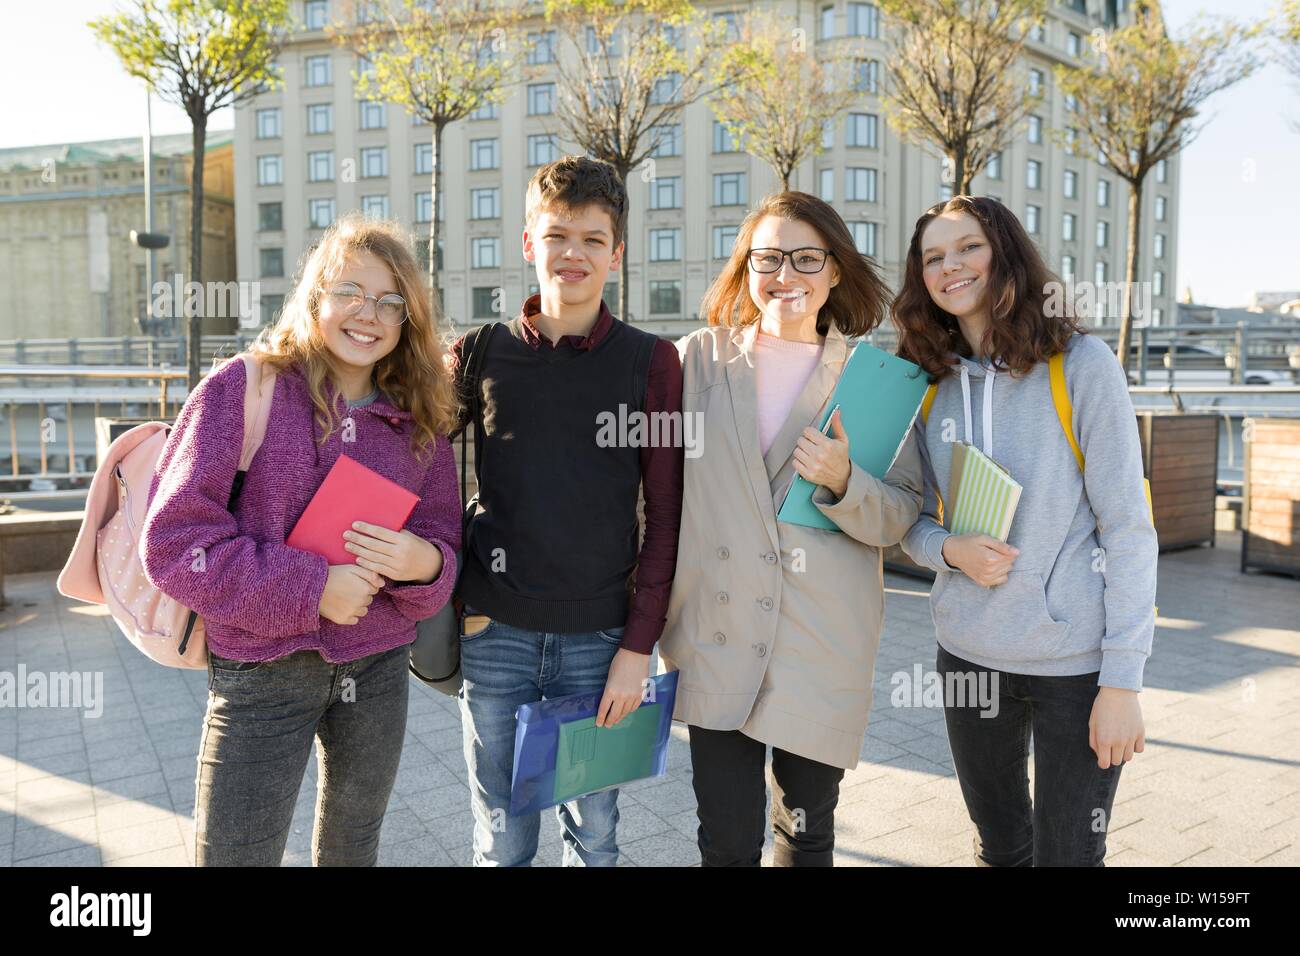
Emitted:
<point x="1057" y="622"/>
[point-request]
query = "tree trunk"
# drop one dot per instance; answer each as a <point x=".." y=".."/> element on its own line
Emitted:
<point x="960" y="176"/>
<point x="437" y="213"/>
<point x="194" y="317"/>
<point x="1130" y="273"/>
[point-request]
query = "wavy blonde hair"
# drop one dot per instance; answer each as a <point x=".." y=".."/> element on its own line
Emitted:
<point x="413" y="376"/>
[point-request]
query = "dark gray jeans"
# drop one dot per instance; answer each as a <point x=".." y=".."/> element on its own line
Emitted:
<point x="257" y="735"/>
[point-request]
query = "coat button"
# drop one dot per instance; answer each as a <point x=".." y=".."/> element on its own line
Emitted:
<point x="761" y="649"/>
<point x="723" y="597"/>
<point x="770" y="557"/>
<point x="723" y="553"/>
<point x="765" y="604"/>
<point x="719" y="638"/>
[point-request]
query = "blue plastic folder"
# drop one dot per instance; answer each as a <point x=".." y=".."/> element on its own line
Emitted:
<point x="879" y="395"/>
<point x="561" y="754"/>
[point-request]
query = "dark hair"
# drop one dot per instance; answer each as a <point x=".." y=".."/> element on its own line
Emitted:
<point x="856" y="304"/>
<point x="1022" y="331"/>
<point x="572" y="182"/>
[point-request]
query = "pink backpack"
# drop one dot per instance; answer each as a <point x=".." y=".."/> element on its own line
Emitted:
<point x="105" y="566"/>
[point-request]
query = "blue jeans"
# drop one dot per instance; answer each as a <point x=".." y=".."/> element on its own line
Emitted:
<point x="505" y="667"/>
<point x="1066" y="823"/>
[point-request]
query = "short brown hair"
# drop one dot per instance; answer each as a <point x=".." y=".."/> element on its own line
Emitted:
<point x="1023" y="331"/>
<point x="856" y="304"/>
<point x="573" y="182"/>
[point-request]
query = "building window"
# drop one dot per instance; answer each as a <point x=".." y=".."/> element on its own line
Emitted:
<point x="376" y="206"/>
<point x="1039" y="33"/>
<point x="270" y="170"/>
<point x="1067" y="227"/>
<point x="373" y="114"/>
<point x="1036" y="80"/>
<point x="826" y="185"/>
<point x="665" y="296"/>
<point x="270" y="263"/>
<point x="1036" y="130"/>
<point x="1071" y="184"/>
<point x="1103" y="233"/>
<point x="485" y="203"/>
<point x="1099" y="272"/>
<point x="665" y="89"/>
<point x="541" y="99"/>
<point x="424" y="158"/>
<point x="1067" y="267"/>
<point x="613" y="43"/>
<point x="1103" y="192"/>
<point x="826" y="23"/>
<point x="483" y="154"/>
<point x="666" y="192"/>
<point x="374" y="162"/>
<point x="424" y="207"/>
<point x="723" y="141"/>
<point x="864" y="20"/>
<point x="485" y="302"/>
<point x="542" y="149"/>
<point x="1071" y="138"/>
<point x="315" y="14"/>
<point x="320" y="166"/>
<point x="270" y="306"/>
<point x="669" y="140"/>
<point x="268" y="123"/>
<point x="1160" y="209"/>
<point x="270" y="216"/>
<point x="318" y="70"/>
<point x="729" y="189"/>
<point x="1034" y="174"/>
<point x="1162" y="171"/>
<point x="1073" y="43"/>
<point x="864" y="237"/>
<point x="541" y="47"/>
<point x="485" y="111"/>
<point x="994" y="167"/>
<point x="1031" y="219"/>
<point x="828" y="135"/>
<point x="1071" y="103"/>
<point x="724" y="240"/>
<point x="485" y="252"/>
<point x="1158" y="251"/>
<point x="866" y="76"/>
<point x="320" y="118"/>
<point x="665" y="245"/>
<point x="320" y="213"/>
<point x="1156" y="316"/>
<point x="863" y="130"/>
<point x="1158" y="283"/>
<point x="860" y="185"/>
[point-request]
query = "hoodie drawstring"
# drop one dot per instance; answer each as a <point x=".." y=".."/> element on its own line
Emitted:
<point x="987" y="410"/>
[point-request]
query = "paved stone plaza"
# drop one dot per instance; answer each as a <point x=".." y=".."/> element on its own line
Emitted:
<point x="1219" y="784"/>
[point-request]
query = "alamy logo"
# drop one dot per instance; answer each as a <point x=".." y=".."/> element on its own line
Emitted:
<point x="73" y="689"/>
<point x="637" y="429"/>
<point x="102" y="909"/>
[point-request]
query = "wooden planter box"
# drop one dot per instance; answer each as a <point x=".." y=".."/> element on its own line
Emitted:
<point x="1180" y="457"/>
<point x="1270" y="509"/>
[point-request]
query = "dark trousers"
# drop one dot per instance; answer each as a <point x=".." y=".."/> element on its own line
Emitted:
<point x="732" y="794"/>
<point x="1066" y="823"/>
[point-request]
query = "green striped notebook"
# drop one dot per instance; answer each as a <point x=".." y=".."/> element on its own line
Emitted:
<point x="983" y="495"/>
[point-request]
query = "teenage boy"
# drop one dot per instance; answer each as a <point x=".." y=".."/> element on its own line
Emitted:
<point x="557" y="597"/>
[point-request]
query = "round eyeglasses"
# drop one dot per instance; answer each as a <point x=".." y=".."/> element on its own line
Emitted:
<point x="808" y="259"/>
<point x="389" y="309"/>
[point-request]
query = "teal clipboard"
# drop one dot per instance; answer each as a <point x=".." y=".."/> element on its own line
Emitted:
<point x="879" y="395"/>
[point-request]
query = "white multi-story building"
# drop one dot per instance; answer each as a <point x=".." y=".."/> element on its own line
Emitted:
<point x="311" y="151"/>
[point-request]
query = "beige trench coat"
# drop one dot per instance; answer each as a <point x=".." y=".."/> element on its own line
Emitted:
<point x="775" y="627"/>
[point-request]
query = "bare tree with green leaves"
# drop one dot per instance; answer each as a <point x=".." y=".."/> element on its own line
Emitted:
<point x="777" y="95"/>
<point x="956" y="79"/>
<point x="201" y="55"/>
<point x="440" y="62"/>
<point x="1286" y="41"/>
<point x="1138" y="97"/>
<point x="631" y="69"/>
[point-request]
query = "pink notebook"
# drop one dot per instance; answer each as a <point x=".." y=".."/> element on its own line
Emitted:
<point x="350" y="492"/>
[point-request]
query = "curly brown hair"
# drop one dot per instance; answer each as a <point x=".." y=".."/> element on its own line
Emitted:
<point x="857" y="303"/>
<point x="1022" y="331"/>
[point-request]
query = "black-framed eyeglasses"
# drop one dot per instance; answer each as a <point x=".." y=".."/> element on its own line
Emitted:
<point x="389" y="309"/>
<point x="807" y="259"/>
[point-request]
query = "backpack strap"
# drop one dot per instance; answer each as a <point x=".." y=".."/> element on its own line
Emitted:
<point x="259" y="390"/>
<point x="928" y="402"/>
<point x="1061" y="399"/>
<point x="473" y="349"/>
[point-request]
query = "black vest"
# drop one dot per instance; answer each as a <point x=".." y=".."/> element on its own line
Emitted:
<point x="553" y="542"/>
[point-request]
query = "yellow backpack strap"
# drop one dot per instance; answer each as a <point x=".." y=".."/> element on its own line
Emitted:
<point x="1061" y="399"/>
<point x="928" y="401"/>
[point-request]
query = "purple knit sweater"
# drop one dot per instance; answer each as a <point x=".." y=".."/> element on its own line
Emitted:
<point x="260" y="598"/>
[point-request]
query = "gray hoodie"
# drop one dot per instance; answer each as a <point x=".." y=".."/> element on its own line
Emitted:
<point x="1080" y="596"/>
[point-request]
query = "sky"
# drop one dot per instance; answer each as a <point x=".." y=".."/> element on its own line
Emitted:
<point x="1240" y="192"/>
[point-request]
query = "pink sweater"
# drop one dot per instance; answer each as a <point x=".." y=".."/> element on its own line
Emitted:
<point x="782" y="369"/>
<point x="259" y="598"/>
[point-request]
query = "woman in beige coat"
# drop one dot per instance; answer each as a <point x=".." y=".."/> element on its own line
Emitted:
<point x="775" y="626"/>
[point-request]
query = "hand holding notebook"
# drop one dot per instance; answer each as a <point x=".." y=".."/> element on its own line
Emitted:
<point x="350" y="492"/>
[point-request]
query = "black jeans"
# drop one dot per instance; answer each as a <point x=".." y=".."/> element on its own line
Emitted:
<point x="731" y="792"/>
<point x="1067" y="822"/>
